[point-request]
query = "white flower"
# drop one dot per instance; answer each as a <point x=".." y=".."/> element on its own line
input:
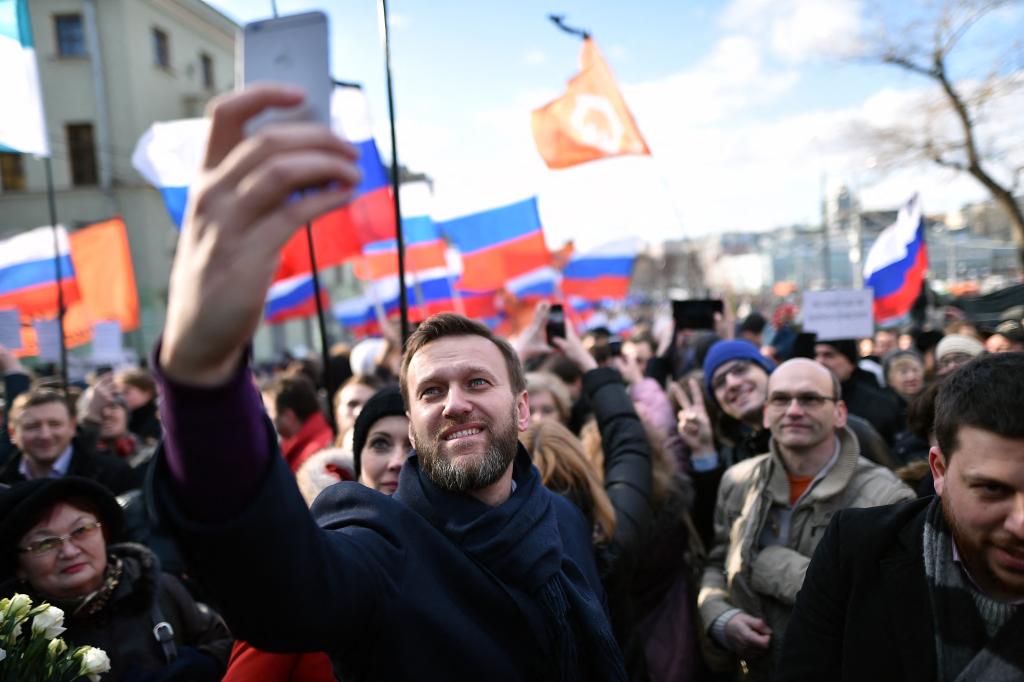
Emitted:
<point x="56" y="647"/>
<point x="3" y="654"/>
<point x="94" y="662"/>
<point x="49" y="623"/>
<point x="19" y="606"/>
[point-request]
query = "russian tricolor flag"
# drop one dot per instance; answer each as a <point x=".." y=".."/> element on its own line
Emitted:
<point x="424" y="246"/>
<point x="498" y="244"/>
<point x="169" y="155"/>
<point x="896" y="265"/>
<point x="358" y="316"/>
<point x="28" y="272"/>
<point x="539" y="283"/>
<point x="290" y="298"/>
<point x="602" y="273"/>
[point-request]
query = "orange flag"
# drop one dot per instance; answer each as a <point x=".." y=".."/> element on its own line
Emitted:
<point x="106" y="283"/>
<point x="590" y="121"/>
<point x="106" y="279"/>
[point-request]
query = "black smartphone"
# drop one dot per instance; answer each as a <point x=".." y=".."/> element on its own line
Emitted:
<point x="615" y="348"/>
<point x="556" y="322"/>
<point x="696" y="313"/>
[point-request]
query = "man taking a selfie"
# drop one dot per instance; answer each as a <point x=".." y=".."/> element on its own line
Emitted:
<point x="472" y="570"/>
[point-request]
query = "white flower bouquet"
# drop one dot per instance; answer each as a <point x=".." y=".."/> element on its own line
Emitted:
<point x="31" y="649"/>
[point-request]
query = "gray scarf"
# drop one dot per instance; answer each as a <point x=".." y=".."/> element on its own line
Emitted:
<point x="976" y="637"/>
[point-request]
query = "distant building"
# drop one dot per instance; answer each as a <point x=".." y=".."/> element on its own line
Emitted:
<point x="109" y="70"/>
<point x="987" y="219"/>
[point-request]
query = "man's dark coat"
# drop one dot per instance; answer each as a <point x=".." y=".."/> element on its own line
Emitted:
<point x="388" y="593"/>
<point x="863" y="612"/>
<point x="105" y="469"/>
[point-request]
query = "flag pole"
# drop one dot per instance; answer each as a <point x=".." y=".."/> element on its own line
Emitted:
<point x="403" y="300"/>
<point x="325" y="351"/>
<point x="52" y="201"/>
<point x="559" y="21"/>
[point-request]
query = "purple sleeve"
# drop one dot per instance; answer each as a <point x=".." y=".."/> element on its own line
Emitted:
<point x="216" y="443"/>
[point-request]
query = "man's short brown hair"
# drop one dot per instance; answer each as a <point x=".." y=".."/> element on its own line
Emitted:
<point x="137" y="378"/>
<point x="35" y="397"/>
<point x="449" y="324"/>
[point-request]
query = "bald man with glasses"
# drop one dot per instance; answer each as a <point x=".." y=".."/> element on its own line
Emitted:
<point x="773" y="508"/>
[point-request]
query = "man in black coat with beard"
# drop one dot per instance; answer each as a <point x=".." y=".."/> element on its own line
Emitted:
<point x="861" y="392"/>
<point x="471" y="570"/>
<point x="931" y="589"/>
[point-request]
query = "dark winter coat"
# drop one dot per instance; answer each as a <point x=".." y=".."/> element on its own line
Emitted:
<point x="389" y="586"/>
<point x="123" y="628"/>
<point x="108" y="470"/>
<point x="863" y="612"/>
<point x="879" y="406"/>
<point x="144" y="422"/>
<point x="15" y="383"/>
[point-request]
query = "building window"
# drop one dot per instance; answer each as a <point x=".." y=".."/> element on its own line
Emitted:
<point x="206" y="67"/>
<point x="12" y="172"/>
<point x="82" y="151"/>
<point x="70" y="35"/>
<point x="161" y="49"/>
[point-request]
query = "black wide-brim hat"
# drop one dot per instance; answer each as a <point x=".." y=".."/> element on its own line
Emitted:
<point x="23" y="503"/>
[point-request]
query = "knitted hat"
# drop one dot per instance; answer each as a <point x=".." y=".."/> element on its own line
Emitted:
<point x="725" y="351"/>
<point x="1011" y="330"/>
<point x="846" y="347"/>
<point x="958" y="343"/>
<point x="23" y="503"/>
<point x="387" y="402"/>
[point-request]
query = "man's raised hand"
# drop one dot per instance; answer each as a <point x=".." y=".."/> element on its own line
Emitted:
<point x="242" y="210"/>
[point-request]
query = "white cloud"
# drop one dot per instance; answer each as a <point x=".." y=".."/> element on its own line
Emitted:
<point x="796" y="30"/>
<point x="535" y="57"/>
<point x="731" y="79"/>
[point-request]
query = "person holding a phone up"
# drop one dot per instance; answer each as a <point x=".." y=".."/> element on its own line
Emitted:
<point x="471" y="570"/>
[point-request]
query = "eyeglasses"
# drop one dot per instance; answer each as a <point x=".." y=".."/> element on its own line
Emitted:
<point x="51" y="544"/>
<point x="807" y="401"/>
<point x="738" y="369"/>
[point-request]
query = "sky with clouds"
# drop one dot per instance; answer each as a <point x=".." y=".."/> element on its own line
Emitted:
<point x="748" y="106"/>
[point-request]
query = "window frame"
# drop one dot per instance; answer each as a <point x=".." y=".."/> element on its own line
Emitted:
<point x="57" y="42"/>
<point x="16" y="181"/>
<point x="157" y="36"/>
<point x="207" y="73"/>
<point x="84" y="171"/>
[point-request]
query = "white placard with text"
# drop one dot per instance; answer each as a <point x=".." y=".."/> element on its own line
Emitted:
<point x="839" y="313"/>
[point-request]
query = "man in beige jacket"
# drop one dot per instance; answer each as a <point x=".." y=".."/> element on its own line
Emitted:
<point x="772" y="510"/>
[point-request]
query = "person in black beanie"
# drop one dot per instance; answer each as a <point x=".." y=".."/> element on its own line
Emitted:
<point x="861" y="392"/>
<point x="380" y="440"/>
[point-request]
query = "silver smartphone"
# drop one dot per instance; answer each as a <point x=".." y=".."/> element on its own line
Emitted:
<point x="292" y="50"/>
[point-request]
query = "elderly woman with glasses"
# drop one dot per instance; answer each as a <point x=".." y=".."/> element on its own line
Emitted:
<point x="54" y="536"/>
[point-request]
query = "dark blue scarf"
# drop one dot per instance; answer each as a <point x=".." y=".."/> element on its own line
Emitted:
<point x="520" y="544"/>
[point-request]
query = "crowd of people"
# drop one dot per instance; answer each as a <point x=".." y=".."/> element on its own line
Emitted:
<point x="679" y="504"/>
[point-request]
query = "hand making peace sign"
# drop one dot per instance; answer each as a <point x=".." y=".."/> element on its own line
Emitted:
<point x="694" y="424"/>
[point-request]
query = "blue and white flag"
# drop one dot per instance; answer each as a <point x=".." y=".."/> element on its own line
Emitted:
<point x="22" y="121"/>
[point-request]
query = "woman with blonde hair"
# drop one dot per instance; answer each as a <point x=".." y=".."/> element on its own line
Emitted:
<point x="549" y="397"/>
<point x="564" y="469"/>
